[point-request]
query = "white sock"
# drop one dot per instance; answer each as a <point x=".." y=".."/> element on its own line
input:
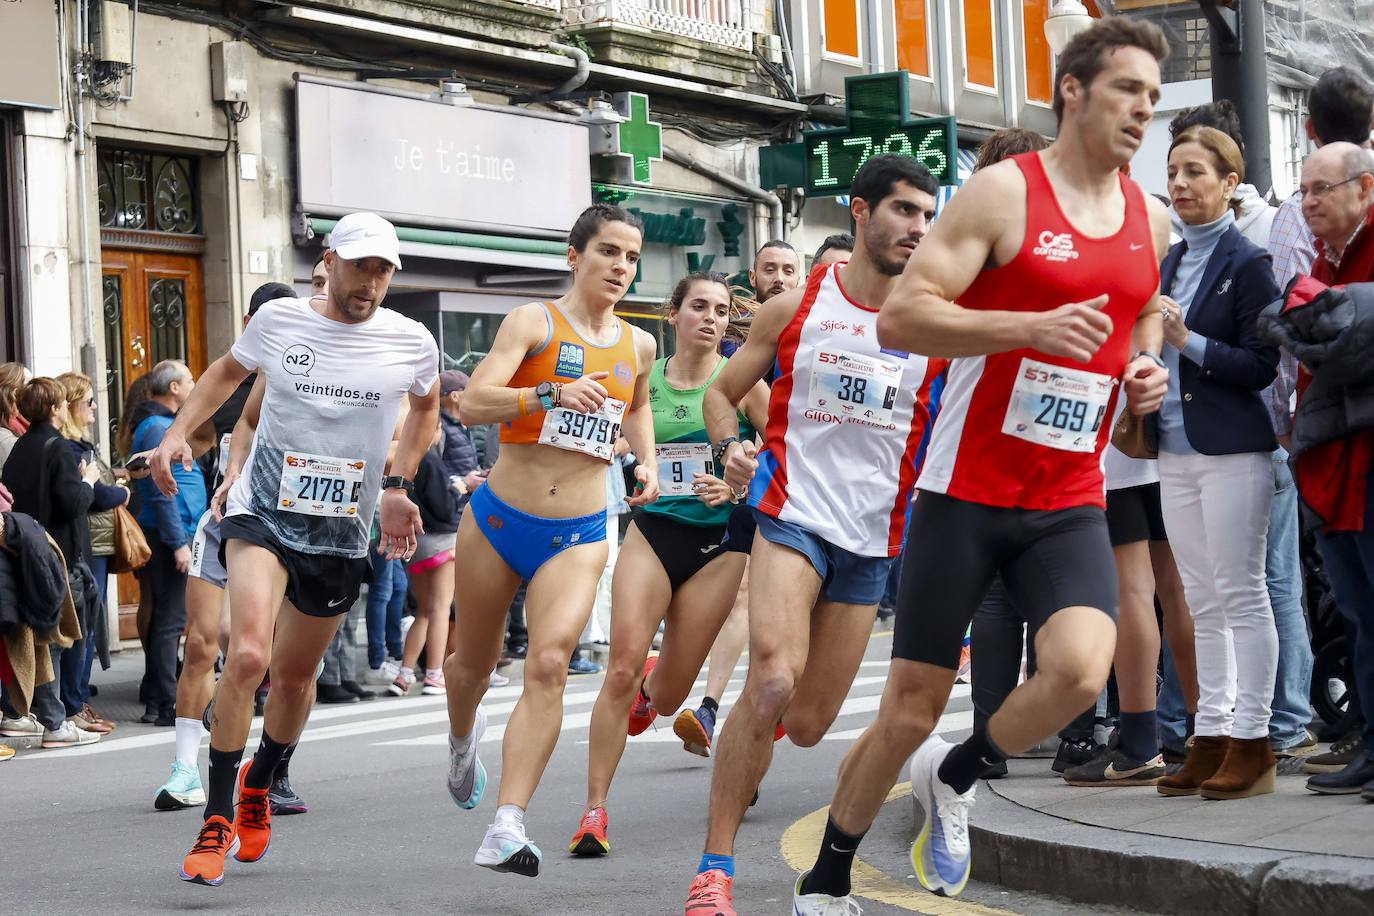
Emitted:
<point x="408" y="673"/>
<point x="189" y="733"/>
<point x="434" y="672"/>
<point x="510" y="814"/>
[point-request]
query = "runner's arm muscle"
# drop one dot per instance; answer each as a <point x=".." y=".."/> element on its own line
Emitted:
<point x="638" y="425"/>
<point x="756" y="406"/>
<point x="921" y="314"/>
<point x="417" y="432"/>
<point x="748" y="366"/>
<point x="488" y="398"/>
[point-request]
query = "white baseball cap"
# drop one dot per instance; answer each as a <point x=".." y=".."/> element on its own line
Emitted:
<point x="365" y="235"/>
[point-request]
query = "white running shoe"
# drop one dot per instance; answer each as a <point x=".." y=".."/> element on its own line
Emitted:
<point x="22" y="727"/>
<point x="383" y="675"/>
<point x="497" y="679"/>
<point x="68" y="735"/>
<point x="467" y="778"/>
<point x="821" y="904"/>
<point x="507" y="848"/>
<point x="941" y="853"/>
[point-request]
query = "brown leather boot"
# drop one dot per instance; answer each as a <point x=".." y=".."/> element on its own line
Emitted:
<point x="1248" y="770"/>
<point x="1204" y="759"/>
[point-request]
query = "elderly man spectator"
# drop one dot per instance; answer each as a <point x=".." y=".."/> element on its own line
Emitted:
<point x="1333" y="430"/>
<point x="168" y="522"/>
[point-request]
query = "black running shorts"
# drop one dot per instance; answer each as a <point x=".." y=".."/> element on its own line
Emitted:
<point x="318" y="585"/>
<point x="1134" y="514"/>
<point x="1048" y="560"/>
<point x="682" y="549"/>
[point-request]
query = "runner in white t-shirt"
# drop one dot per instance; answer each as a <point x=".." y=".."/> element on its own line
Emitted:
<point x="336" y="370"/>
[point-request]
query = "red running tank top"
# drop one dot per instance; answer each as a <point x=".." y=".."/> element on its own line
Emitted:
<point x="1024" y="429"/>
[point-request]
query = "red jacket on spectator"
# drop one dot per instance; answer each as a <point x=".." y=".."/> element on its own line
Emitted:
<point x="1332" y="477"/>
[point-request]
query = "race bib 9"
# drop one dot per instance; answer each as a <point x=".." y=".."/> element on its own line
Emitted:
<point x="319" y="485"/>
<point x="678" y="463"/>
<point x="1057" y="407"/>
<point x="854" y="385"/>
<point x="591" y="433"/>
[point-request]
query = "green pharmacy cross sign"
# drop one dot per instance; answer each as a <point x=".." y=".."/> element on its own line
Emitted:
<point x="638" y="139"/>
<point x="825" y="161"/>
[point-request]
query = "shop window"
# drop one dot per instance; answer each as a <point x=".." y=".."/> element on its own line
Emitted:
<point x="980" y="43"/>
<point x="147" y="191"/>
<point x="842" y="27"/>
<point x="1039" y="63"/>
<point x="913" y="53"/>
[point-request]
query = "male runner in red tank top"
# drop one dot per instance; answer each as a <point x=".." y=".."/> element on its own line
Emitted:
<point x="1013" y="480"/>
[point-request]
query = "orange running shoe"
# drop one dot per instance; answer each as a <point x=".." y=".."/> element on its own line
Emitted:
<point x="779" y="733"/>
<point x="204" y="864"/>
<point x="710" y="895"/>
<point x="252" y="820"/>
<point x="590" y="838"/>
<point x="642" y="712"/>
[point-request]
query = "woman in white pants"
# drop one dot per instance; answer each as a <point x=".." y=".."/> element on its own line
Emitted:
<point x="1215" y="442"/>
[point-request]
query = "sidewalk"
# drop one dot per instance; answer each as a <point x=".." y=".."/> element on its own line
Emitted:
<point x="1290" y="853"/>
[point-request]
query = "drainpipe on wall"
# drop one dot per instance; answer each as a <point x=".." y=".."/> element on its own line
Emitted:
<point x="580" y="75"/>
<point x="777" y="227"/>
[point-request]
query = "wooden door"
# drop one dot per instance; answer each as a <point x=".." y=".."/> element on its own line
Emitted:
<point x="153" y="309"/>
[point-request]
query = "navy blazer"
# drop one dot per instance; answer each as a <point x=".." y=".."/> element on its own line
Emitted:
<point x="1222" y="410"/>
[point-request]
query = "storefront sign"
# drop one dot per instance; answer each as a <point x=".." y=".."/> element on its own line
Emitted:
<point x="424" y="162"/>
<point x="31" y="67"/>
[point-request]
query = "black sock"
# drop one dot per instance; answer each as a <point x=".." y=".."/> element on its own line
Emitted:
<point x="1191" y="717"/>
<point x="224" y="773"/>
<point x="265" y="760"/>
<point x="830" y="874"/>
<point x="961" y="767"/>
<point x="1139" y="735"/>
<point x="710" y="703"/>
<point x="285" y="762"/>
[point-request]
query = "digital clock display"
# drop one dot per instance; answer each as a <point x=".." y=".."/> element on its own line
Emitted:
<point x="832" y="161"/>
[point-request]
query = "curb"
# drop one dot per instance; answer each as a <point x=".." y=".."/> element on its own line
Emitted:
<point x="1022" y="848"/>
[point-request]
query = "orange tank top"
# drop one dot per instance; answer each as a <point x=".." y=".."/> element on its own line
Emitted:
<point x="565" y="356"/>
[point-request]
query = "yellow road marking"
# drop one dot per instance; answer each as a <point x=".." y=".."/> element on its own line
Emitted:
<point x="799" y="844"/>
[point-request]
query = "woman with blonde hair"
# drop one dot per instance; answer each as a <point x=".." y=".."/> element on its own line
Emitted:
<point x="78" y="660"/>
<point x="13" y="376"/>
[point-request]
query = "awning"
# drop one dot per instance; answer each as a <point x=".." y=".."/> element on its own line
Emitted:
<point x="472" y="247"/>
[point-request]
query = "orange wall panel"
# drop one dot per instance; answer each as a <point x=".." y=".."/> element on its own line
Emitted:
<point x="980" y="46"/>
<point x="911" y="36"/>
<point x="1039" y="65"/>
<point x="842" y="27"/>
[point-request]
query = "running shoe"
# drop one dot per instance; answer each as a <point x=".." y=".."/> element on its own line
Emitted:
<point x="590" y="838"/>
<point x="204" y="864"/>
<point x="965" y="672"/>
<point x="1116" y="768"/>
<point x="433" y="685"/>
<point x="642" y="712"/>
<point x="283" y="798"/>
<point x="467" y="778"/>
<point x="1076" y="753"/>
<point x="68" y="735"/>
<point x="252" y="820"/>
<point x="208" y="716"/>
<point x="496" y="679"/>
<point x="941" y="853"/>
<point x="1338" y="757"/>
<point x="507" y="848"/>
<point x="696" y="728"/>
<point x="709" y="895"/>
<point x="402" y="684"/>
<point x="182" y="790"/>
<point x="6" y="753"/>
<point x="779" y="733"/>
<point x="580" y="665"/>
<point x="821" y="904"/>
<point x="21" y="727"/>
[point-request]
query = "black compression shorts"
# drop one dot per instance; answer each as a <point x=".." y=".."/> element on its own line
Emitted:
<point x="682" y="549"/>
<point x="318" y="585"/>
<point x="1049" y="560"/>
<point x="1134" y="514"/>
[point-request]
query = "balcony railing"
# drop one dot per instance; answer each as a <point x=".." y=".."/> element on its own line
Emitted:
<point x="724" y="22"/>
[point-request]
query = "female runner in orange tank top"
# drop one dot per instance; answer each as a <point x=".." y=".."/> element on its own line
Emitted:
<point x="563" y="379"/>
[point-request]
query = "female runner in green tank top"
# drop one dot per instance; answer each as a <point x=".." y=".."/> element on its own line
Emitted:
<point x="672" y="568"/>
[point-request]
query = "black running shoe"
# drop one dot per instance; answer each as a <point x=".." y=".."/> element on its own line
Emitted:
<point x="1116" y="769"/>
<point x="284" y="799"/>
<point x="1075" y="753"/>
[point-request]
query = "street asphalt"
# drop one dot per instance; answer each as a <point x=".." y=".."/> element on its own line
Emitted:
<point x="79" y="834"/>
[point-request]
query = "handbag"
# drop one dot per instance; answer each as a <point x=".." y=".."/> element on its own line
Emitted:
<point x="1136" y="437"/>
<point x="131" y="550"/>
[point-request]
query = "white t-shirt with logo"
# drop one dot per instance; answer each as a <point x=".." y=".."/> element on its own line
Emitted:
<point x="333" y="393"/>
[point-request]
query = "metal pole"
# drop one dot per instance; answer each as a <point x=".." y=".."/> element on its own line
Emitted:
<point x="1239" y="74"/>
